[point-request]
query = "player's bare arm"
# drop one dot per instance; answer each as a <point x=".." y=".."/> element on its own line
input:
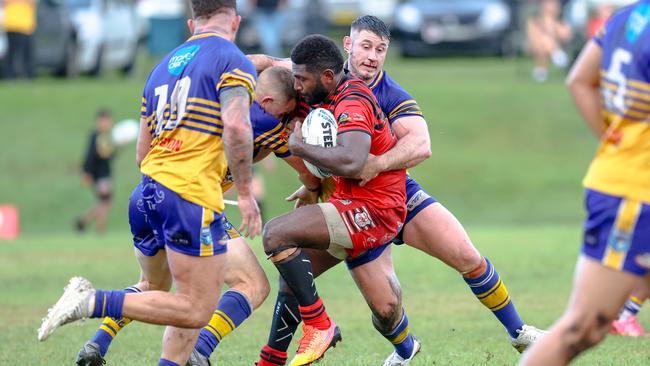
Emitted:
<point x="583" y="83"/>
<point x="144" y="142"/>
<point x="263" y="62"/>
<point x="413" y="147"/>
<point x="346" y="159"/>
<point x="238" y="144"/>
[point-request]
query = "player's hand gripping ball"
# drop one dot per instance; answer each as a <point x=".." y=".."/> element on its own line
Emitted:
<point x="319" y="128"/>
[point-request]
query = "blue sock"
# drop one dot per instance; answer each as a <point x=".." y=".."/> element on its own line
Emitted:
<point x="232" y="310"/>
<point x="109" y="328"/>
<point x="493" y="294"/>
<point x="164" y="362"/>
<point x="400" y="337"/>
<point x="108" y="303"/>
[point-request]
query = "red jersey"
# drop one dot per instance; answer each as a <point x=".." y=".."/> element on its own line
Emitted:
<point x="356" y="109"/>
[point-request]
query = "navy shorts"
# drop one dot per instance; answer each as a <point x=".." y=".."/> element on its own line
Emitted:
<point x="183" y="226"/>
<point x="416" y="200"/>
<point x="143" y="235"/>
<point x="617" y="232"/>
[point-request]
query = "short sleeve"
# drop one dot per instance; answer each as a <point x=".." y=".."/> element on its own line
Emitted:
<point x="397" y="103"/>
<point x="354" y="113"/>
<point x="238" y="72"/>
<point x="269" y="132"/>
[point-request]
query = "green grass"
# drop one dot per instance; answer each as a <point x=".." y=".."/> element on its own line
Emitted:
<point x="535" y="262"/>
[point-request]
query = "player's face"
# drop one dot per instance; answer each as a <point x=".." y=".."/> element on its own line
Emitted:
<point x="367" y="53"/>
<point x="104" y="124"/>
<point x="309" y="85"/>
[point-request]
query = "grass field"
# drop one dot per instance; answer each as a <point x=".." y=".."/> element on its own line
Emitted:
<point x="536" y="263"/>
<point x="508" y="156"/>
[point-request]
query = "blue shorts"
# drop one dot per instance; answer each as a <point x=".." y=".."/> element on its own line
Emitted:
<point x="183" y="226"/>
<point x="416" y="200"/>
<point x="617" y="232"/>
<point x="143" y="237"/>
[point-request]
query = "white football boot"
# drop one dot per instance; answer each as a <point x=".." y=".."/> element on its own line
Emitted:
<point x="527" y="336"/>
<point x="396" y="360"/>
<point x="73" y="305"/>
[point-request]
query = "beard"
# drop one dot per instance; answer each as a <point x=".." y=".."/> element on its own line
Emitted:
<point x="318" y="95"/>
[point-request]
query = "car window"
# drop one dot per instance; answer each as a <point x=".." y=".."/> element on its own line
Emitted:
<point x="77" y="3"/>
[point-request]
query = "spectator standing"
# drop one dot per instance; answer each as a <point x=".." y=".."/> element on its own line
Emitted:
<point x="19" y="23"/>
<point x="268" y="16"/>
<point x="547" y="33"/>
<point x="97" y="171"/>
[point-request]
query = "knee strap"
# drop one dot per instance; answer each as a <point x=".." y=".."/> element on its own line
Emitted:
<point x="281" y="254"/>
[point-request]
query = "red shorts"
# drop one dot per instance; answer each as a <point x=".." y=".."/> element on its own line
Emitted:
<point x="357" y="226"/>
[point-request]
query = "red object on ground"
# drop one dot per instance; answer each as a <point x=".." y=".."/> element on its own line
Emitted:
<point x="9" y="222"/>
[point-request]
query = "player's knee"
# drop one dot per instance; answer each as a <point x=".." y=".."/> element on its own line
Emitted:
<point x="272" y="237"/>
<point x="584" y="330"/>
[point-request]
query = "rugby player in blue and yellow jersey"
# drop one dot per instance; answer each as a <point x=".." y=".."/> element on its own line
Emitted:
<point x="429" y="226"/>
<point x="275" y="103"/>
<point x="197" y="102"/>
<point x="610" y="84"/>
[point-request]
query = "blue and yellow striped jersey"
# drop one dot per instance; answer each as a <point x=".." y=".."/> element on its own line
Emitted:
<point x="181" y="106"/>
<point x="268" y="133"/>
<point x="621" y="166"/>
<point x="393" y="100"/>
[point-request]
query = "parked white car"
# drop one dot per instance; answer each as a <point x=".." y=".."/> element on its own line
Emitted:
<point x="109" y="33"/>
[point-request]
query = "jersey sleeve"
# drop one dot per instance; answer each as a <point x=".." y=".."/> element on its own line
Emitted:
<point x="239" y="71"/>
<point x="354" y="114"/>
<point x="397" y="103"/>
<point x="269" y="132"/>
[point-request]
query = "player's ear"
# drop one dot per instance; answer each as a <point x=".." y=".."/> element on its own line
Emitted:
<point x="347" y="43"/>
<point x="327" y="76"/>
<point x="190" y="25"/>
<point x="266" y="101"/>
<point x="235" y="24"/>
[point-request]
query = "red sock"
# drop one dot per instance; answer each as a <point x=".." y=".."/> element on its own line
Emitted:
<point x="315" y="315"/>
<point x="271" y="357"/>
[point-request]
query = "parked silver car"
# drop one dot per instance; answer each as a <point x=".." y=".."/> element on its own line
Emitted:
<point x="453" y="26"/>
<point x="109" y="33"/>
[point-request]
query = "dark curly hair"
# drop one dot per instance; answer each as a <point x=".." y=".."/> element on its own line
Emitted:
<point x="318" y="53"/>
<point x="208" y="8"/>
<point x="372" y="24"/>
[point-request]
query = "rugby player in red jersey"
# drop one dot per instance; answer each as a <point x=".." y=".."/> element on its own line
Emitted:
<point x="355" y="218"/>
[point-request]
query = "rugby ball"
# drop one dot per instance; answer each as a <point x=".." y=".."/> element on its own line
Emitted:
<point x="125" y="131"/>
<point x="319" y="128"/>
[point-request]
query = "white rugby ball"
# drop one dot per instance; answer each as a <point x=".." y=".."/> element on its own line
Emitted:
<point x="125" y="131"/>
<point x="319" y="128"/>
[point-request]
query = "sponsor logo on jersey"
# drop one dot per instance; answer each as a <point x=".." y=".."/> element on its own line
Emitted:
<point x="637" y="22"/>
<point x="344" y="118"/>
<point x="181" y="58"/>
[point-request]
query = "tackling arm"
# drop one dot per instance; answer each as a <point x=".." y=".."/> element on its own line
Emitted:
<point x="346" y="159"/>
<point x="263" y="62"/>
<point x="413" y="147"/>
<point x="583" y="83"/>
